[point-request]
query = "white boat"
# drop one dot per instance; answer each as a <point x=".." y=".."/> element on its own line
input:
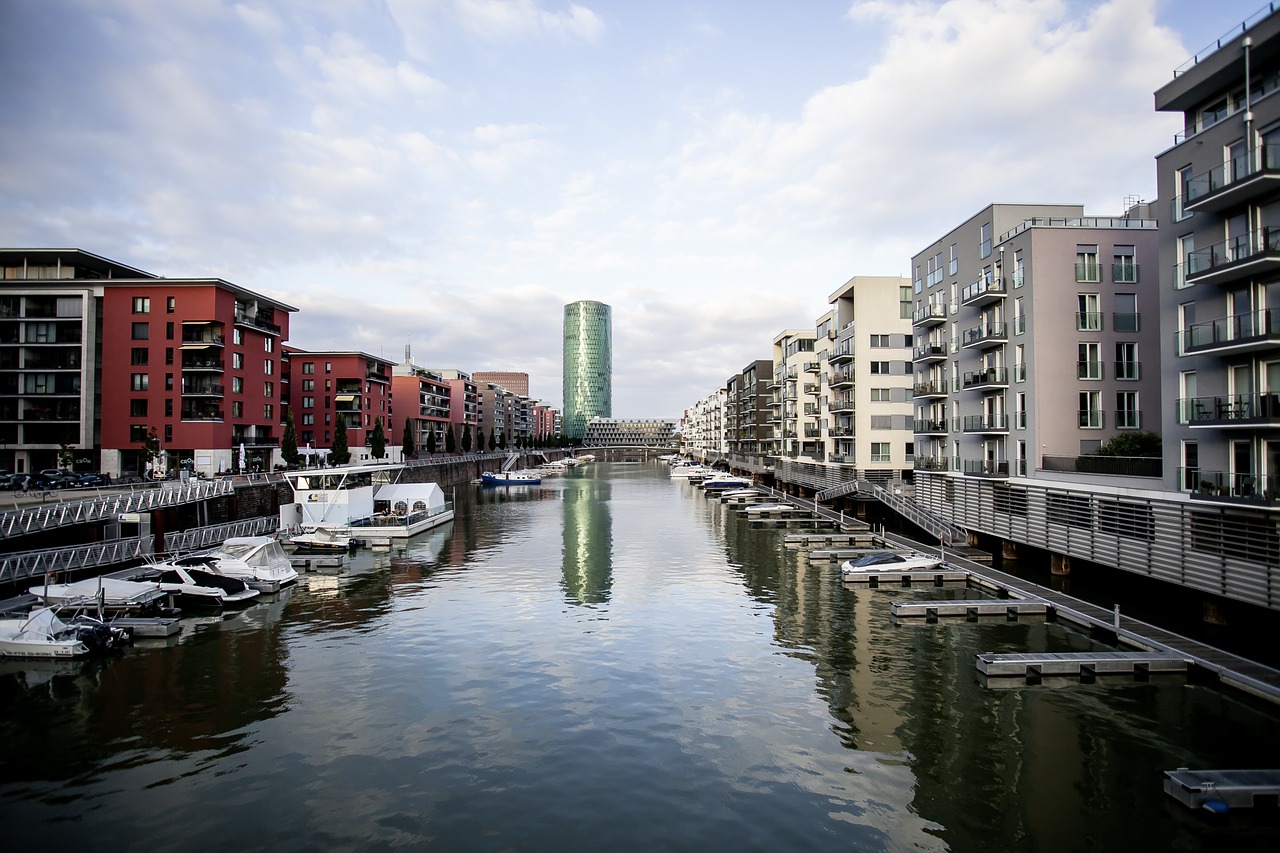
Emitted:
<point x="368" y="502"/>
<point x="725" y="482"/>
<point x="112" y="593"/>
<point x="43" y="635"/>
<point x="259" y="561"/>
<point x="889" y="561"/>
<point x="317" y="540"/>
<point x="197" y="588"/>
<point x="742" y="493"/>
<point x="763" y="508"/>
<point x="688" y="472"/>
<point x="510" y="478"/>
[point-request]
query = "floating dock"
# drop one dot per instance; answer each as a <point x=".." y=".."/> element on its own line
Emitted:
<point x="1235" y="789"/>
<point x="937" y="577"/>
<point x="1078" y="663"/>
<point x="807" y="541"/>
<point x="160" y="626"/>
<point x="970" y="609"/>
<point x="315" y="562"/>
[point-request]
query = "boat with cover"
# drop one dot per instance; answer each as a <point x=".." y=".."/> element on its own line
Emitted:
<point x="317" y="540"/>
<point x="111" y="594"/>
<point x="725" y="482"/>
<point x="197" y="588"/>
<point x="889" y="561"/>
<point x="510" y="478"/>
<point x="41" y="634"/>
<point x="259" y="561"/>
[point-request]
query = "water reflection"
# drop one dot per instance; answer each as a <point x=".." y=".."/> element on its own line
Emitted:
<point x="587" y="561"/>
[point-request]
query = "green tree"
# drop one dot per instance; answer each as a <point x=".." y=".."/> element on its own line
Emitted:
<point x="466" y="438"/>
<point x="408" y="449"/>
<point x="151" y="447"/>
<point x="479" y="440"/>
<point x="450" y="443"/>
<point x="289" y="441"/>
<point x="431" y="441"/>
<point x="66" y="456"/>
<point x="502" y="441"/>
<point x="493" y="442"/>
<point x="1142" y="443"/>
<point x="378" y="440"/>
<point x="340" y="453"/>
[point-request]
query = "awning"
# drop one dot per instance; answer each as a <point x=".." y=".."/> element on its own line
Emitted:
<point x="345" y="398"/>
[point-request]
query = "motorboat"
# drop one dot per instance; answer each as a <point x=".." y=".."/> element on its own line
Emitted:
<point x="259" y="561"/>
<point x="764" y="508"/>
<point x="111" y="594"/>
<point x="889" y="561"/>
<point x="198" y="588"/>
<point x="42" y="634"/>
<point x="726" y="482"/>
<point x="317" y="540"/>
<point x="742" y="493"/>
<point x="510" y="478"/>
<point x="689" y="472"/>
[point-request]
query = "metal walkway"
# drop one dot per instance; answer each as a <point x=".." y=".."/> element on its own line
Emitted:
<point x="943" y="531"/>
<point x="106" y="507"/>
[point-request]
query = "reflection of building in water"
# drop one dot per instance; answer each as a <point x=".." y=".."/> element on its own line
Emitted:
<point x="588" y="540"/>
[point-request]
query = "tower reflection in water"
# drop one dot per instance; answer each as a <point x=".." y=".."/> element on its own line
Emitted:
<point x="588" y="541"/>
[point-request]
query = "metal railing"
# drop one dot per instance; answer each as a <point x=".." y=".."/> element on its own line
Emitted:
<point x="106" y="506"/>
<point x="904" y="506"/>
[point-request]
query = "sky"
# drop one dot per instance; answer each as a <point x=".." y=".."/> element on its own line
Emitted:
<point x="448" y="174"/>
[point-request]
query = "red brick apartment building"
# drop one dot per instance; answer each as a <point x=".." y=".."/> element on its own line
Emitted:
<point x="353" y="386"/>
<point x="94" y="355"/>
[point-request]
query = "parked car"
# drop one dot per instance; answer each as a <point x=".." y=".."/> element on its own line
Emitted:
<point x="93" y="478"/>
<point x="56" y="478"/>
<point x="13" y="482"/>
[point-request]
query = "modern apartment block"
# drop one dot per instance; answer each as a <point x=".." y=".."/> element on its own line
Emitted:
<point x="587" y="370"/>
<point x="616" y="432"/>
<point x="703" y="427"/>
<point x="96" y="355"/>
<point x="513" y="381"/>
<point x="327" y="386"/>
<point x="1222" y="248"/>
<point x="464" y="403"/>
<point x="421" y="399"/>
<point x="795" y="400"/>
<point x="749" y="416"/>
<point x="1030" y="340"/>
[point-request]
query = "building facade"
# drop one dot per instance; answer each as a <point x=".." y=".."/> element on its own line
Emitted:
<point x="354" y="387"/>
<point x="517" y="383"/>
<point x="587" y="366"/>
<point x="422" y="400"/>
<point x="614" y="432"/>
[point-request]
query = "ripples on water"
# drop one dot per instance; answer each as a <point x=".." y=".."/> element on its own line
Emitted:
<point x="608" y="661"/>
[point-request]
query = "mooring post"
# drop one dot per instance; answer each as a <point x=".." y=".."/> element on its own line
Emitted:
<point x="1115" y="617"/>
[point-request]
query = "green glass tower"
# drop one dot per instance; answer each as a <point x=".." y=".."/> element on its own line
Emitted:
<point x="588" y="365"/>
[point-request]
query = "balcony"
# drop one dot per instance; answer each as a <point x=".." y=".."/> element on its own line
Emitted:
<point x="254" y="436"/>
<point x="930" y="352"/>
<point x="841" y="379"/>
<point x="1119" y="466"/>
<point x="990" y="377"/>
<point x="984" y="291"/>
<point x="260" y="321"/>
<point x="1088" y="370"/>
<point x="1251" y="332"/>
<point x="1131" y="370"/>
<point x="812" y="366"/>
<point x="926" y="427"/>
<point x="1239" y="180"/>
<point x="812" y="432"/>
<point x="985" y="335"/>
<point x="1228" y="487"/>
<point x="1246" y="256"/>
<point x="986" y="423"/>
<point x="838" y="406"/>
<point x="1240" y="411"/>
<point x="929" y="315"/>
<point x="932" y="463"/>
<point x="986" y="468"/>
<point x="810" y="388"/>
<point x="937" y="388"/>
<point x="202" y="364"/>
<point x="843" y="354"/>
<point x="375" y="376"/>
<point x="1126" y="322"/>
<point x="1124" y="273"/>
<point x="202" y="389"/>
<point x="205" y="412"/>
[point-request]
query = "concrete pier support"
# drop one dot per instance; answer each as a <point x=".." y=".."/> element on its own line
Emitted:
<point x="1009" y="550"/>
<point x="1059" y="564"/>
<point x="1213" y="614"/>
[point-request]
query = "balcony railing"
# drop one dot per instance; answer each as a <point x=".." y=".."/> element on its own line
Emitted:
<point x="1237" y="251"/>
<point x="1020" y="372"/>
<point x="1216" y="182"/>
<point x="203" y="364"/>
<point x="1128" y="369"/>
<point x="983" y="290"/>
<point x="1231" y="487"/>
<point x="1252" y="330"/>
<point x="841" y="406"/>
<point x="931" y="426"/>
<point x="202" y="389"/>
<point x="930" y="352"/>
<point x="986" y="377"/>
<point x="1120" y="466"/>
<point x="1124" y="273"/>
<point x="986" y="423"/>
<point x="985" y="333"/>
<point x="1089" y="418"/>
<point x="986" y="468"/>
<point x="1088" y="271"/>
<point x="244" y="318"/>
<point x="1230" y="410"/>
<point x="1088" y="321"/>
<point x="1088" y="370"/>
<point x="932" y="463"/>
<point x="1130" y="322"/>
<point x="930" y="389"/>
<point x="929" y="314"/>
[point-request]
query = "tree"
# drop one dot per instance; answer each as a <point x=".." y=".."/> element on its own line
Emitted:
<point x="431" y="441"/>
<point x="479" y="440"/>
<point x="151" y="447"/>
<point x="1142" y="443"/>
<point x="408" y="449"/>
<point x="466" y="438"/>
<point x="66" y="456"/>
<point x="289" y="441"/>
<point x="378" y="440"/>
<point x="450" y="443"/>
<point x="493" y="442"/>
<point x="502" y="441"/>
<point x="340" y="453"/>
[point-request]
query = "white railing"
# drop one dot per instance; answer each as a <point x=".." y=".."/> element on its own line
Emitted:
<point x="107" y="506"/>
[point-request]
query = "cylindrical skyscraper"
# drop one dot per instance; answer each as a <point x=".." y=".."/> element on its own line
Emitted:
<point x="588" y="365"/>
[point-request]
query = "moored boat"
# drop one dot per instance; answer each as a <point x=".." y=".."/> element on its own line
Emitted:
<point x="510" y="478"/>
<point x="41" y="634"/>
<point x="259" y="561"/>
<point x="889" y="561"/>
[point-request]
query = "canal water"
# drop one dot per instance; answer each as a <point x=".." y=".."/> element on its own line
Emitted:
<point x="609" y="661"/>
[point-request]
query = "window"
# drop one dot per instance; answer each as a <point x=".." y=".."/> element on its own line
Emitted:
<point x="308" y="402"/>
<point x="880" y="451"/>
<point x="168" y="331"/>
<point x="237" y="385"/>
<point x="138" y="355"/>
<point x="237" y="409"/>
<point x="269" y="344"/>
<point x="142" y="305"/>
<point x="953" y="263"/>
<point x="880" y="367"/>
<point x="168" y="408"/>
<point x="326" y="402"/>
<point x="984" y="246"/>
<point x="1123" y="268"/>
<point x="328" y="436"/>
<point x="237" y="336"/>
<point x="1127" y="410"/>
<point x="878" y="341"/>
<point x="168" y="355"/>
<point x="268" y="389"/>
<point x="168" y="305"/>
<point x="1090" y="409"/>
<point x="328" y="367"/>
<point x="268" y="366"/>
<point x="1186" y="248"/>
<point x="168" y="382"/>
<point x="1088" y="319"/>
<point x="308" y="419"/>
<point x="137" y="408"/>
<point x="267" y="409"/>
<point x="168" y="433"/>
<point x="139" y="381"/>
<point x="308" y="385"/>
<point x="1087" y="263"/>
<point x="308" y="367"/>
<point x="880" y="395"/>
<point x="237" y="361"/>
<point x="1190" y="465"/>
<point x="1125" y="318"/>
<point x="137" y="433"/>
<point x="1088" y="361"/>
<point x="141" y="331"/>
<point x="1127" y="360"/>
<point x="904" y="303"/>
